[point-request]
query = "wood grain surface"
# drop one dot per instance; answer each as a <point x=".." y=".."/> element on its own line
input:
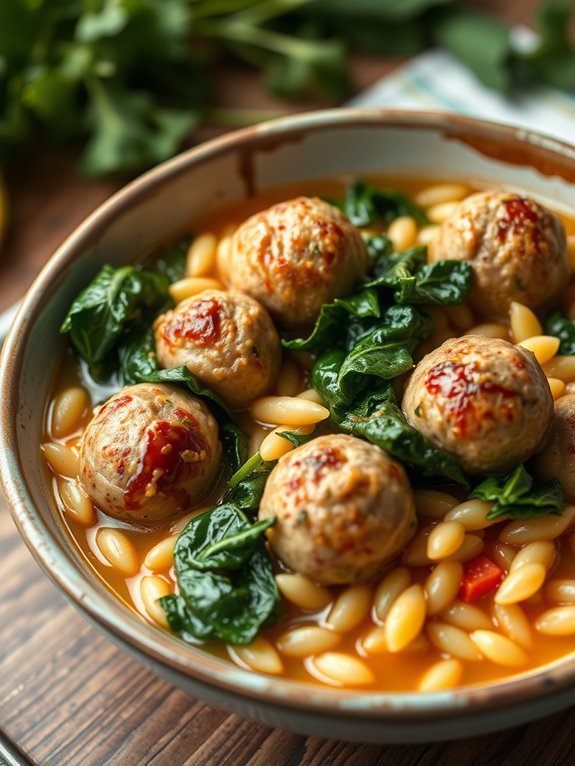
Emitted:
<point x="68" y="697"/>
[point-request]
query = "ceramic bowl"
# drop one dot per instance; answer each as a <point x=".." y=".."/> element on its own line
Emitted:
<point x="315" y="145"/>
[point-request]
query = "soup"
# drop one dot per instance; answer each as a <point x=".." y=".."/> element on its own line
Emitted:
<point x="423" y="554"/>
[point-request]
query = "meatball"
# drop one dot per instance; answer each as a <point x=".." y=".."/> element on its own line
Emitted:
<point x="344" y="509"/>
<point x="226" y="339"/>
<point x="151" y="451"/>
<point x="296" y="256"/>
<point x="482" y="399"/>
<point x="517" y="249"/>
<point x="557" y="459"/>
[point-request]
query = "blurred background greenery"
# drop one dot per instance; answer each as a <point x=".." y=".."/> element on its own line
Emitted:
<point x="131" y="80"/>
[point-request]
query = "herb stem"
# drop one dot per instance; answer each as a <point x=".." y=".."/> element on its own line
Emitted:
<point x="276" y="42"/>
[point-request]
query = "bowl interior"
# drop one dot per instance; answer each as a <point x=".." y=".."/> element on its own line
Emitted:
<point x="321" y="145"/>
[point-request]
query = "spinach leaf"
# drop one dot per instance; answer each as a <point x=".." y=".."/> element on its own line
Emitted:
<point x="245" y="470"/>
<point x="234" y="442"/>
<point x="384" y="353"/>
<point x="113" y="300"/>
<point x="236" y="604"/>
<point x="137" y="355"/>
<point x="336" y="321"/>
<point x="413" y="280"/>
<point x="106" y="319"/>
<point x="224" y="573"/>
<point x="443" y="282"/>
<point x="328" y="325"/>
<point x="363" y="303"/>
<point x="364" y="204"/>
<point x="364" y="344"/>
<point x="184" y="622"/>
<point x="516" y="497"/>
<point x="247" y="485"/>
<point x="377" y="246"/>
<point x="325" y="379"/>
<point x="170" y="260"/>
<point x="225" y="577"/>
<point x="374" y="415"/>
<point x="392" y="266"/>
<point x="416" y="281"/>
<point x="222" y="538"/>
<point x="563" y="328"/>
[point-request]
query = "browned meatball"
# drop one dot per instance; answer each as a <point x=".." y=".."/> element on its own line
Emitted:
<point x="517" y="249"/>
<point x="344" y="509"/>
<point x="296" y="256"/>
<point x="557" y="459"/>
<point x="151" y="451"/>
<point x="482" y="399"/>
<point x="226" y="339"/>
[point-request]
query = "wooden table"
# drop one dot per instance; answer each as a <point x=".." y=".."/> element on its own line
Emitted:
<point x="68" y="697"/>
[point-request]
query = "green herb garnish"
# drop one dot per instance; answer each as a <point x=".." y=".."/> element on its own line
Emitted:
<point x="132" y="78"/>
<point x="516" y="496"/>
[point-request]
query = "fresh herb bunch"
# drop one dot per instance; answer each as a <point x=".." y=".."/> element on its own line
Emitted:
<point x="132" y="77"/>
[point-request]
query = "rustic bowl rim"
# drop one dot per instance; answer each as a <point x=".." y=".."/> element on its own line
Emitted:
<point x="116" y="620"/>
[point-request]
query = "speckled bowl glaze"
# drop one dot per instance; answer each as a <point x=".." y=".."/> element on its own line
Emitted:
<point x="314" y="145"/>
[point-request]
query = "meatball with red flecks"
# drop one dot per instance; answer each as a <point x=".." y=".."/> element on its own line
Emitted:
<point x="151" y="451"/>
<point x="482" y="399"/>
<point x="226" y="339"/>
<point x="517" y="249"/>
<point x="296" y="256"/>
<point x="344" y="509"/>
<point x="557" y="459"/>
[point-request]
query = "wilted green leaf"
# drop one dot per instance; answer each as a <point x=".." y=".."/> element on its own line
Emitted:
<point x="515" y="496"/>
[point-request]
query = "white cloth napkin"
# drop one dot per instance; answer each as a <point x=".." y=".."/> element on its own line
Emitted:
<point x="436" y="81"/>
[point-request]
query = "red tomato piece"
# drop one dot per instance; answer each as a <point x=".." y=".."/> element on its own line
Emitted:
<point x="480" y="577"/>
